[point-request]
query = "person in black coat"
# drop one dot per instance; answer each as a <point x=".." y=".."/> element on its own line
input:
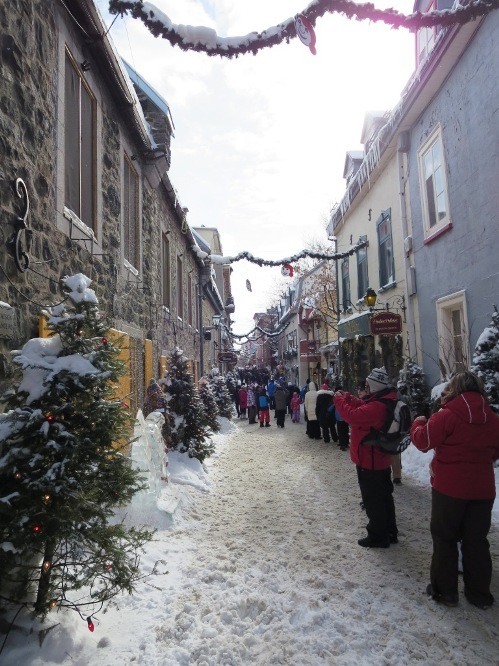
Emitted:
<point x="325" y="416"/>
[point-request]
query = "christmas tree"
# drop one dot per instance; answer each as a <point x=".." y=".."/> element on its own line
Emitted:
<point x="190" y="433"/>
<point x="486" y="360"/>
<point x="221" y="393"/>
<point x="210" y="405"/>
<point x="412" y="387"/>
<point x="63" y="471"/>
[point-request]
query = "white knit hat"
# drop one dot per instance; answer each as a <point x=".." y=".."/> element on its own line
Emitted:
<point x="378" y="380"/>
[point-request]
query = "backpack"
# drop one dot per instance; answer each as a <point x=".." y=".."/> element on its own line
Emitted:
<point x="393" y="437"/>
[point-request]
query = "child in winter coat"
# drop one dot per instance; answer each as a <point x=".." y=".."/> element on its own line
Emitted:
<point x="295" y="407"/>
<point x="263" y="408"/>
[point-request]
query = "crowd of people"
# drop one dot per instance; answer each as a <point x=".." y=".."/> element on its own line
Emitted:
<point x="464" y="437"/>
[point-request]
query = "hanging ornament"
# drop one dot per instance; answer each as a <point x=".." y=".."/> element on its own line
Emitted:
<point x="306" y="32"/>
<point x="46" y="565"/>
<point x="90" y="624"/>
<point x="287" y="270"/>
<point x="248" y="285"/>
<point x="104" y="342"/>
<point x="50" y="418"/>
<point x="37" y="529"/>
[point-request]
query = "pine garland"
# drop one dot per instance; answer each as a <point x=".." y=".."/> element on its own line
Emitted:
<point x="285" y="31"/>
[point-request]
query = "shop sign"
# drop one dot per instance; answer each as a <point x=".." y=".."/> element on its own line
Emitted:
<point x="308" y="351"/>
<point x="6" y="321"/>
<point x="354" y="327"/>
<point x="227" y="357"/>
<point x="385" y="323"/>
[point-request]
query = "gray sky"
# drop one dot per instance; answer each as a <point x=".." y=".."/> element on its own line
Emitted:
<point x="260" y="141"/>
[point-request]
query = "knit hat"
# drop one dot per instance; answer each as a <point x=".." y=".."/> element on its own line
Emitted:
<point x="377" y="380"/>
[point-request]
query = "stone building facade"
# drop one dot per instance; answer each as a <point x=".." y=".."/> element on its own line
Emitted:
<point x="73" y="130"/>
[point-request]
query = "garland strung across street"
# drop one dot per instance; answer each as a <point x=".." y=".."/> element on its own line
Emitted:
<point x="269" y="334"/>
<point x="286" y="262"/>
<point x="202" y="39"/>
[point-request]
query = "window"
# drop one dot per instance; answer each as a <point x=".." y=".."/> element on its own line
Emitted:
<point x="345" y="283"/>
<point x="165" y="263"/>
<point x="79" y="145"/>
<point x="453" y="353"/>
<point x="189" y="300"/>
<point x="426" y="37"/>
<point x="180" y="289"/>
<point x="362" y="274"/>
<point x="385" y="249"/>
<point x="131" y="230"/>
<point x="433" y="184"/>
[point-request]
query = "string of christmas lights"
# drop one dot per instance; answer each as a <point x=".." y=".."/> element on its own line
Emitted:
<point x="206" y="40"/>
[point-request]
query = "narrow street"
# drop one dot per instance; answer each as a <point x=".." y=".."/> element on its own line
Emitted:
<point x="277" y="577"/>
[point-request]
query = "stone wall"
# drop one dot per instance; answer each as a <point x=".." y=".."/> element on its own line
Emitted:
<point x="29" y="112"/>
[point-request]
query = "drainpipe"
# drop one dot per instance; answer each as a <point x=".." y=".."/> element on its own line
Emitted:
<point x="403" y="144"/>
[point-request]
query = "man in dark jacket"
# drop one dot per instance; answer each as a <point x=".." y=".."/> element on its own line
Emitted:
<point x="373" y="465"/>
<point x="280" y="398"/>
<point x="325" y="416"/>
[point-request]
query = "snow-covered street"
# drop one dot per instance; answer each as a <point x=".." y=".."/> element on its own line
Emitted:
<point x="264" y="568"/>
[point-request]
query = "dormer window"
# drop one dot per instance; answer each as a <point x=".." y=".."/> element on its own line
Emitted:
<point x="426" y="37"/>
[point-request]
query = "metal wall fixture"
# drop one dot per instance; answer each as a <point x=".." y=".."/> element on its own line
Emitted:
<point x="20" y="252"/>
<point x="396" y="302"/>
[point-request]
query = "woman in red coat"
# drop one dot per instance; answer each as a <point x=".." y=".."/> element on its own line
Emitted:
<point x="373" y="465"/>
<point x="465" y="437"/>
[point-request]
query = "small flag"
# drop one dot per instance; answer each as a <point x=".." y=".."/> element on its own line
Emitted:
<point x="248" y="285"/>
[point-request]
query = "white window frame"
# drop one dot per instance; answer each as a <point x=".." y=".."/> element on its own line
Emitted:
<point x="435" y="139"/>
<point x="446" y="346"/>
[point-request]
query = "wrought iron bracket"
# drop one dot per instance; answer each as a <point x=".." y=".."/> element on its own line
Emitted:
<point x="20" y="251"/>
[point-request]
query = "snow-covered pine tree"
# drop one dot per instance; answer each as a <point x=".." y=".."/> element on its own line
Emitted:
<point x="63" y="471"/>
<point x="413" y="389"/>
<point x="486" y="360"/>
<point x="221" y="393"/>
<point x="210" y="405"/>
<point x="231" y="381"/>
<point x="190" y="432"/>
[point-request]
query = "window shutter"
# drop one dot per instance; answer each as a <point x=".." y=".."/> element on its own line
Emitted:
<point x="148" y="368"/>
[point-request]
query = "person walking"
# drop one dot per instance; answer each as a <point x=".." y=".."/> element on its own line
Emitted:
<point x="243" y="401"/>
<point x="373" y="465"/>
<point x="271" y="392"/>
<point x="295" y="407"/>
<point x="464" y="435"/>
<point x="251" y="402"/>
<point x="280" y="399"/>
<point x="263" y="408"/>
<point x="237" y="403"/>
<point x="313" y="427"/>
<point x="325" y="416"/>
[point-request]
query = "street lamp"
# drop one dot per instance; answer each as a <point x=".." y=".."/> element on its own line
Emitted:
<point x="216" y="320"/>
<point x="370" y="298"/>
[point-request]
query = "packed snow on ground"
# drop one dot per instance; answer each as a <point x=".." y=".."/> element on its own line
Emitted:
<point x="260" y="565"/>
